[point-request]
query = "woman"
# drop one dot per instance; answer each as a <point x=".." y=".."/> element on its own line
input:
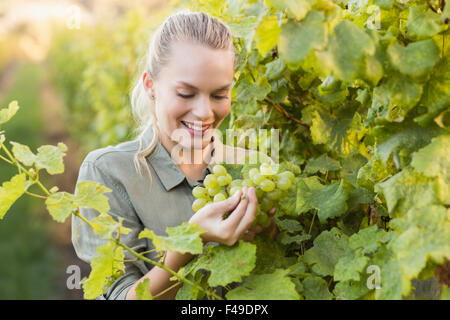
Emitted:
<point x="183" y="95"/>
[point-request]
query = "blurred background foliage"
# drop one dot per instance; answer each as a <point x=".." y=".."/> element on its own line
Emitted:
<point x="70" y="65"/>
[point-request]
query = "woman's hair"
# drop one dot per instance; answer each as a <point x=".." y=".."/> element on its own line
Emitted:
<point x="183" y="25"/>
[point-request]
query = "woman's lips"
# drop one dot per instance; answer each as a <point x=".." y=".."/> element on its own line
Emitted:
<point x="195" y="129"/>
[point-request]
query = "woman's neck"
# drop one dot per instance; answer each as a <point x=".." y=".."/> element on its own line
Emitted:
<point x="193" y="162"/>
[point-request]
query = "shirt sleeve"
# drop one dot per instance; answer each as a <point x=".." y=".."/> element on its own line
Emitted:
<point x="85" y="241"/>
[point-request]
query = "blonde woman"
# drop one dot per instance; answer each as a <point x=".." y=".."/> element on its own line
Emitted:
<point x="179" y="100"/>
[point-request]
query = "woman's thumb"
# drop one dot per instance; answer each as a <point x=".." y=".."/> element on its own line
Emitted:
<point x="228" y="204"/>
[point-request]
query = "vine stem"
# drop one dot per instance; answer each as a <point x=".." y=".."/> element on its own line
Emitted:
<point x="162" y="266"/>
<point x="312" y="222"/>
<point x="285" y="113"/>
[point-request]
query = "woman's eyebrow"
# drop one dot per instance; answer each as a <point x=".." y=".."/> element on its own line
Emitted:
<point x="195" y="88"/>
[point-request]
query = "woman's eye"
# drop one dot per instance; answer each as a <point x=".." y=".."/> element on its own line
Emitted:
<point x="220" y="97"/>
<point x="185" y="96"/>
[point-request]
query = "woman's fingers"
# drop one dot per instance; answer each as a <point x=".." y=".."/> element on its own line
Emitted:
<point x="249" y="216"/>
<point x="227" y="205"/>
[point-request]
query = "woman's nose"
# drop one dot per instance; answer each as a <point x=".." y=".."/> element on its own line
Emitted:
<point x="203" y="109"/>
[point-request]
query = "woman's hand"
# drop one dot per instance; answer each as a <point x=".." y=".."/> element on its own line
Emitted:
<point x="233" y="228"/>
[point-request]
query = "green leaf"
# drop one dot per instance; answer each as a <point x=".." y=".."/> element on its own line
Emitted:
<point x="349" y="267"/>
<point x="60" y="205"/>
<point x="425" y="236"/>
<point x="315" y="288"/>
<point x="273" y="286"/>
<point x="322" y="164"/>
<point x="330" y="201"/>
<point x="436" y="94"/>
<point x="246" y="91"/>
<point x="423" y="55"/>
<point x="433" y="161"/>
<point x="350" y="290"/>
<point x="10" y="191"/>
<point x="104" y="226"/>
<point x="347" y="51"/>
<point x="23" y="153"/>
<point x="407" y="189"/>
<point x="228" y="264"/>
<point x="393" y="98"/>
<point x="297" y="39"/>
<point x="423" y="23"/>
<point x="367" y="239"/>
<point x="340" y="132"/>
<point x="296" y="9"/>
<point x="143" y="290"/>
<point x="51" y="158"/>
<point x="183" y="238"/>
<point x="109" y="258"/>
<point x="267" y="34"/>
<point x="328" y="248"/>
<point x="90" y="194"/>
<point x="7" y="113"/>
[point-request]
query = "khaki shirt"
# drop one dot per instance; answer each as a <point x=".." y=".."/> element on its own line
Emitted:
<point x="167" y="204"/>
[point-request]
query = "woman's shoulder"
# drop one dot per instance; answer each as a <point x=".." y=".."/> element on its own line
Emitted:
<point x="113" y="155"/>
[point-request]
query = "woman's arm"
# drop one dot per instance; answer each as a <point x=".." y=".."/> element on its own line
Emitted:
<point x="159" y="278"/>
<point x="209" y="218"/>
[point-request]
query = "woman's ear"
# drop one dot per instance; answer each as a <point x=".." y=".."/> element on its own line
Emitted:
<point x="148" y="84"/>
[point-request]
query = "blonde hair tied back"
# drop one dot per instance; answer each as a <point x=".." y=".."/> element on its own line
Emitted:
<point x="198" y="27"/>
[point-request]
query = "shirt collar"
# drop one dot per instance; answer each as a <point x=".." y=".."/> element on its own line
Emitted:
<point x="168" y="172"/>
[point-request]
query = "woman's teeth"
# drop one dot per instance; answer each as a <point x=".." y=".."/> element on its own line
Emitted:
<point x="193" y="127"/>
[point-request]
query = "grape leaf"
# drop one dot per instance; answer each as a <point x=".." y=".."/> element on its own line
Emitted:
<point x="330" y="201"/>
<point x="328" y="248"/>
<point x="60" y="205"/>
<point x="316" y="288"/>
<point x="10" y="191"/>
<point x="7" y="113"/>
<point x="228" y="264"/>
<point x="424" y="236"/>
<point x="23" y="153"/>
<point x="436" y="93"/>
<point x="422" y="54"/>
<point x="433" y="161"/>
<point x="273" y="286"/>
<point x="423" y="23"/>
<point x="323" y="163"/>
<point x="104" y="225"/>
<point x="349" y="267"/>
<point x="183" y="238"/>
<point x="295" y="8"/>
<point x="267" y="34"/>
<point x="109" y="259"/>
<point x="143" y="290"/>
<point x="347" y="50"/>
<point x="407" y="189"/>
<point x="51" y="158"/>
<point x="298" y="39"/>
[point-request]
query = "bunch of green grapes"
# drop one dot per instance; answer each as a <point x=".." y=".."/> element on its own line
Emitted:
<point x="270" y="187"/>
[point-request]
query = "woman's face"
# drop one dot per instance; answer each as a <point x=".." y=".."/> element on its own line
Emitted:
<point x="192" y="94"/>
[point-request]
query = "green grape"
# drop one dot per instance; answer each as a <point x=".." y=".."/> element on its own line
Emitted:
<point x="264" y="219"/>
<point x="233" y="190"/>
<point x="211" y="181"/>
<point x="247" y="183"/>
<point x="266" y="170"/>
<point x="259" y="193"/>
<point x="286" y="175"/>
<point x="200" y="192"/>
<point x="224" y="180"/>
<point x="252" y="172"/>
<point x="213" y="191"/>
<point x="198" y="204"/>
<point x="236" y="183"/>
<point x="219" y="170"/>
<point x="220" y="197"/>
<point x="274" y="195"/>
<point x="257" y="178"/>
<point x="266" y="204"/>
<point x="284" y="183"/>
<point x="267" y="185"/>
